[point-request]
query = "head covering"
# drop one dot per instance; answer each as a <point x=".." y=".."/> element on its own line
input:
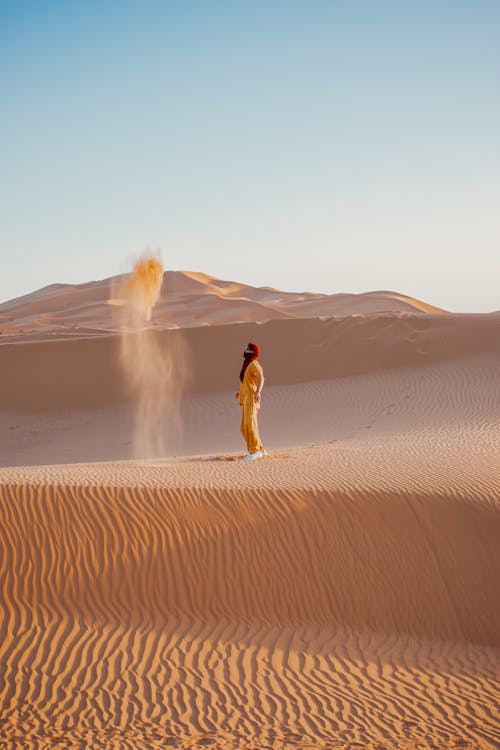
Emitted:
<point x="251" y="353"/>
<point x="255" y="348"/>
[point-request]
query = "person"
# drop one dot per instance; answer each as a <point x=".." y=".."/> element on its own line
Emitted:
<point x="249" y="397"/>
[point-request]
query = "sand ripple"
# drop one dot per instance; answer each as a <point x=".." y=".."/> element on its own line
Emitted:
<point x="196" y="603"/>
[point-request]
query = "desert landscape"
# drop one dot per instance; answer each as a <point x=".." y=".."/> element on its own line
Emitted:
<point x="158" y="591"/>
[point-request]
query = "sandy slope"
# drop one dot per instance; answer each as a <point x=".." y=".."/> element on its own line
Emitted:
<point x="84" y="371"/>
<point x="457" y="393"/>
<point x="343" y="592"/>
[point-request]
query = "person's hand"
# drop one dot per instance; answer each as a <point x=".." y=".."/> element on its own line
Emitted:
<point x="256" y="398"/>
<point x="237" y="394"/>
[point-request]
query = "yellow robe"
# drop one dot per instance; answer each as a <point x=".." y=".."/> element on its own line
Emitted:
<point x="248" y="388"/>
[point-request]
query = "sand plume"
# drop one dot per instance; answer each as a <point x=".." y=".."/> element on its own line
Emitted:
<point x="143" y="288"/>
<point x="148" y="366"/>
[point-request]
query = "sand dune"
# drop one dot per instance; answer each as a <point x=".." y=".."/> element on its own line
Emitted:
<point x="343" y="592"/>
<point x="322" y="598"/>
<point x="460" y="393"/>
<point x="84" y="371"/>
<point x="188" y="299"/>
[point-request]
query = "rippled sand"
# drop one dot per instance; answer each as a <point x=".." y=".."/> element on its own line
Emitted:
<point x="343" y="592"/>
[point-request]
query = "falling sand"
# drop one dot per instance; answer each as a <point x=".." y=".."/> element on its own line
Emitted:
<point x="148" y="367"/>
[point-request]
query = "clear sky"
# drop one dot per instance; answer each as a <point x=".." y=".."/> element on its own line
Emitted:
<point x="327" y="146"/>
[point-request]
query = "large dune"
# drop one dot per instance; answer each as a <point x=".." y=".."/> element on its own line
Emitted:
<point x="343" y="592"/>
<point x="187" y="299"/>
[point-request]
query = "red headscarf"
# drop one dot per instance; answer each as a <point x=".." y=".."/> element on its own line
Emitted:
<point x="249" y="357"/>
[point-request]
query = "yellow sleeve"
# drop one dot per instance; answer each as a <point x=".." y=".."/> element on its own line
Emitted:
<point x="256" y="369"/>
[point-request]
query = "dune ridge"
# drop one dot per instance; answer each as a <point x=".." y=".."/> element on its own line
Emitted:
<point x="282" y="538"/>
<point x="187" y="299"/>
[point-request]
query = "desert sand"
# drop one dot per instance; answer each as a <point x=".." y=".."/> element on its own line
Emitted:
<point x="342" y="592"/>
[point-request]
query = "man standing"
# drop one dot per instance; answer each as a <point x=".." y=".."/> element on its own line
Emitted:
<point x="251" y="384"/>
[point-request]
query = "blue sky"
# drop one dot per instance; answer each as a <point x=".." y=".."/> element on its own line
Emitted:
<point x="320" y="146"/>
